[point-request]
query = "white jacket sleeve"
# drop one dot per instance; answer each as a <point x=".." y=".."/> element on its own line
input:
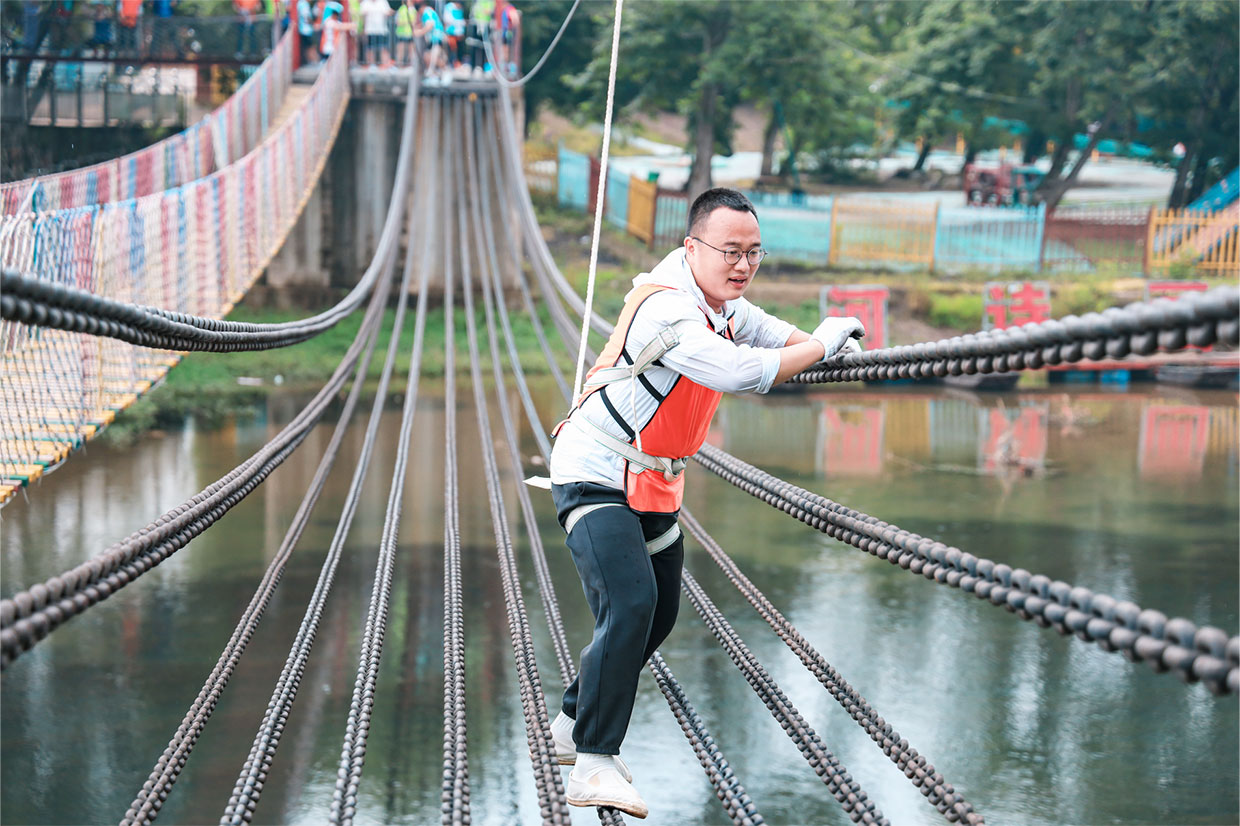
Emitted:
<point x="703" y="355"/>
<point x="757" y="327"/>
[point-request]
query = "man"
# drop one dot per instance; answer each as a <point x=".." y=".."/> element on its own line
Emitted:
<point x="375" y="13"/>
<point x="685" y="336"/>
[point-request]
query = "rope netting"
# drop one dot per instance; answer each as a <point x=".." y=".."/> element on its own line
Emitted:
<point x="230" y="132"/>
<point x="489" y="168"/>
<point x="192" y="249"/>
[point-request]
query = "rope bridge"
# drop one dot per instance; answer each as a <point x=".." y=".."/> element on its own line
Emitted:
<point x="487" y="170"/>
<point x="193" y="249"/>
<point x="230" y="132"/>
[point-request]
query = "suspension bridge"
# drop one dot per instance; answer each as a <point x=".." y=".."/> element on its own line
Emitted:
<point x="107" y="282"/>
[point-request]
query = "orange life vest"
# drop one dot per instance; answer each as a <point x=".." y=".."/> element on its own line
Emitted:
<point x="129" y="11"/>
<point x="676" y="430"/>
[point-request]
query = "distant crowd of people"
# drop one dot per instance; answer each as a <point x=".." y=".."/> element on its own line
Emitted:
<point x="392" y="33"/>
<point x="146" y="28"/>
<point x="449" y="37"/>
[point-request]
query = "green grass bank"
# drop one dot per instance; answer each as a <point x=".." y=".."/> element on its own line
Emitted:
<point x="923" y="306"/>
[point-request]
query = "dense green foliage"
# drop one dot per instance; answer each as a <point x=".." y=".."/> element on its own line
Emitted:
<point x="843" y="78"/>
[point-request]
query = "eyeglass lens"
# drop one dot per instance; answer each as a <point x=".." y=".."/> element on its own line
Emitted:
<point x="754" y="256"/>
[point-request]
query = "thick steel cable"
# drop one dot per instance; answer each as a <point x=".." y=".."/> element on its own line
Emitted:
<point x="361" y="706"/>
<point x="731" y="793"/>
<point x="154" y="792"/>
<point x="842" y="786"/>
<point x="249" y="785"/>
<point x="30" y="615"/>
<point x="525" y="211"/>
<point x="1141" y="328"/>
<point x="546" y="590"/>
<point x="33" y="301"/>
<point x="454" y="794"/>
<point x="923" y="775"/>
<point x="1166" y="644"/>
<point x="547" y="780"/>
<point x="493" y="305"/>
<point x="932" y="785"/>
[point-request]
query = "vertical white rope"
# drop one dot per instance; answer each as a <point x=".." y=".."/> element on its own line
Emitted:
<point x="598" y="203"/>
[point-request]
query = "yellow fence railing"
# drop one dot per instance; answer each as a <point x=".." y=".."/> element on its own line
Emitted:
<point x="541" y="171"/>
<point x="1206" y="241"/>
<point x="643" y="195"/>
<point x="875" y="232"/>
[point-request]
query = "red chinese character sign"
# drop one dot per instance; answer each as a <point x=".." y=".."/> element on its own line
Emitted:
<point x="868" y="302"/>
<point x="1173" y="440"/>
<point x="852" y="441"/>
<point x="1013" y="303"/>
<point x="1014" y="439"/>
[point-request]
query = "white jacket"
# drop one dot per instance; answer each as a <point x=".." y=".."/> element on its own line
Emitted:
<point x="746" y="365"/>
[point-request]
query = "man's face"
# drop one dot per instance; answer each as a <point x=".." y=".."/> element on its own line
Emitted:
<point x="725" y="229"/>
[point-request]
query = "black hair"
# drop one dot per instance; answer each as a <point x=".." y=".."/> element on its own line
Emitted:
<point x="713" y="199"/>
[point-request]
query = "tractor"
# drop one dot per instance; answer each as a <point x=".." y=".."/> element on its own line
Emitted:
<point x="1005" y="185"/>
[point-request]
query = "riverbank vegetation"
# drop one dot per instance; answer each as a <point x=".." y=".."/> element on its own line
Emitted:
<point x="923" y="306"/>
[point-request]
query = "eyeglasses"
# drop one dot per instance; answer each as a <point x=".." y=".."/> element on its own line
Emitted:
<point x="733" y="256"/>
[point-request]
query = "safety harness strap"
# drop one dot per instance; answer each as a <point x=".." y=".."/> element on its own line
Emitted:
<point x="664" y="540"/>
<point x="654" y="350"/>
<point x="660" y="543"/>
<point x="574" y="516"/>
<point x="669" y="467"/>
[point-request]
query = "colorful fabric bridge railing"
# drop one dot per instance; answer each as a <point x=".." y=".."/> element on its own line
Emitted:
<point x="230" y="132"/>
<point x="195" y="248"/>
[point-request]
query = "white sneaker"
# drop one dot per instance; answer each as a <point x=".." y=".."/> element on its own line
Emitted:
<point x="594" y="781"/>
<point x="566" y="749"/>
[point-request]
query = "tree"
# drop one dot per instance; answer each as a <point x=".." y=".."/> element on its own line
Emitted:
<point x="552" y="86"/>
<point x="812" y="83"/>
<point x="1194" y="85"/>
<point x="964" y="62"/>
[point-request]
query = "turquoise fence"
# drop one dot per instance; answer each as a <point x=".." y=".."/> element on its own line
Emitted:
<point x="574" y="179"/>
<point x="616" y="205"/>
<point x="892" y="233"/>
<point x="968" y="238"/>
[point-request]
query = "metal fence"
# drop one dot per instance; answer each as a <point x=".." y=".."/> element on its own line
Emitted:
<point x="873" y="232"/>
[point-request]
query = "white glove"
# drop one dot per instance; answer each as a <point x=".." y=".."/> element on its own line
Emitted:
<point x="839" y="334"/>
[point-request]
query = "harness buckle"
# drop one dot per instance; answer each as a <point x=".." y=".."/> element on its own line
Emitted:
<point x="669" y="337"/>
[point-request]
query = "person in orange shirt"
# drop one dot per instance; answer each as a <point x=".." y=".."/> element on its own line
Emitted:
<point x="128" y="15"/>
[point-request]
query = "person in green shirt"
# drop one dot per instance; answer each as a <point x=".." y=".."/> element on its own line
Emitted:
<point x="480" y="15"/>
<point x="404" y="33"/>
<point x="355" y="17"/>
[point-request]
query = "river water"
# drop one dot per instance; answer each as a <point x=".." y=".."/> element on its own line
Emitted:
<point x="1130" y="493"/>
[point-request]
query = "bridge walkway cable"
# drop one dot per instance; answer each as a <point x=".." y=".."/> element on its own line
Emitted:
<point x="554" y="807"/>
<point x="1176" y="644"/>
<point x="735" y="801"/>
<point x="29" y="615"/>
<point x="825" y="764"/>
<point x="454" y="792"/>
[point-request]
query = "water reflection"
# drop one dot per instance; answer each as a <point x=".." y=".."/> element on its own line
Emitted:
<point x="1132" y="494"/>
